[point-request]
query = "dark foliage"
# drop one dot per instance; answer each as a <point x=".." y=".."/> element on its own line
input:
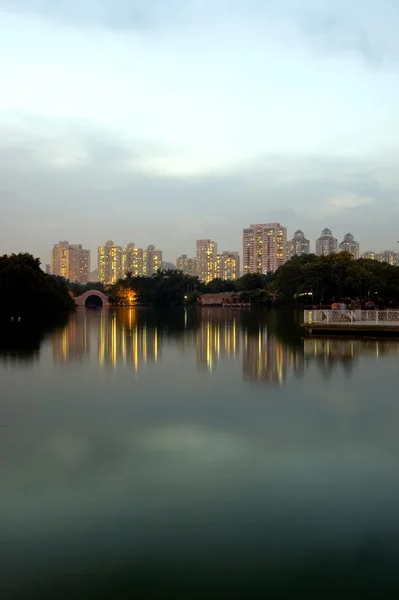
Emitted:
<point x="26" y="292"/>
<point x="324" y="279"/>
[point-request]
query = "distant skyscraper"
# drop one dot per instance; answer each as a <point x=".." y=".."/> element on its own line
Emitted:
<point x="110" y="262"/>
<point x="227" y="265"/>
<point x="79" y="263"/>
<point x="370" y="255"/>
<point x="206" y="254"/>
<point x="48" y="270"/>
<point x="152" y="260"/>
<point x="264" y="247"/>
<point x="71" y="261"/>
<point x="390" y="257"/>
<point x="59" y="259"/>
<point x="248" y="250"/>
<point x="187" y="265"/>
<point x="134" y="260"/>
<point x="114" y="261"/>
<point x="349" y="245"/>
<point x="326" y="244"/>
<point x="298" y="245"/>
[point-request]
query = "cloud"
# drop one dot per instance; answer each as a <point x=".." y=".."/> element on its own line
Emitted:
<point x="344" y="36"/>
<point x="68" y="180"/>
<point x="348" y="202"/>
<point x="118" y="14"/>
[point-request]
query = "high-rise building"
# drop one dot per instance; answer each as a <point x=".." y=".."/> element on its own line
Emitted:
<point x="206" y="254"/>
<point x="390" y="257"/>
<point x="298" y="245"/>
<point x="79" y="263"/>
<point x="114" y="261"/>
<point x="349" y="245"/>
<point x="227" y="265"/>
<point x="59" y="259"/>
<point x="370" y="255"/>
<point x="248" y="250"/>
<point x="187" y="265"/>
<point x="326" y="244"/>
<point x="48" y="270"/>
<point x="110" y="262"/>
<point x="134" y="260"/>
<point x="152" y="260"/>
<point x="71" y="261"/>
<point x="264" y="247"/>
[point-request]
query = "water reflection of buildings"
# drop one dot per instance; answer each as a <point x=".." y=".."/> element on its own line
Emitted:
<point x="268" y="358"/>
<point x="121" y="339"/>
<point x="72" y="343"/>
<point x="265" y="357"/>
<point x="267" y="352"/>
<point x="330" y="353"/>
<point x="218" y="337"/>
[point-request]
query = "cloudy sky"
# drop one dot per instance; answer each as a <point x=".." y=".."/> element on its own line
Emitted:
<point x="163" y="121"/>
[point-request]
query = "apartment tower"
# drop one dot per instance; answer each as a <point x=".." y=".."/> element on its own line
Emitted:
<point x="349" y="245"/>
<point x="70" y="261"/>
<point x="326" y="244"/>
<point x="206" y="254"/>
<point x="298" y="246"/>
<point x="264" y="247"/>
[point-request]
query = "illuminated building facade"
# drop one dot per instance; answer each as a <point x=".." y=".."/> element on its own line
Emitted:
<point x="369" y="255"/>
<point x="152" y="260"/>
<point x="388" y="256"/>
<point x="70" y="261"/>
<point x="349" y="245"/>
<point x="298" y="246"/>
<point x="110" y="263"/>
<point x="114" y="261"/>
<point x="134" y="258"/>
<point x="326" y="244"/>
<point x="206" y="254"/>
<point x="227" y="265"/>
<point x="187" y="265"/>
<point x="264" y="247"/>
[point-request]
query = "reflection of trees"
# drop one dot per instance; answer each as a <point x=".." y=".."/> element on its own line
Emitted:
<point x="331" y="353"/>
<point x="267" y="343"/>
<point x="265" y="356"/>
<point x="20" y="342"/>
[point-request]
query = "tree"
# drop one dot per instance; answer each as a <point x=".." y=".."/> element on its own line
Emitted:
<point x="253" y="281"/>
<point x="335" y="277"/>
<point x="27" y="292"/>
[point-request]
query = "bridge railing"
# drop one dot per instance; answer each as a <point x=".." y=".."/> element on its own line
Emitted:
<point x="354" y="317"/>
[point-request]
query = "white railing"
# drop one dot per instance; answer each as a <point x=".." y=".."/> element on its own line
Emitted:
<point x="354" y="317"/>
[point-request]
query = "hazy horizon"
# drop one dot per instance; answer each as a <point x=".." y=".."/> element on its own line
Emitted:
<point x="164" y="122"/>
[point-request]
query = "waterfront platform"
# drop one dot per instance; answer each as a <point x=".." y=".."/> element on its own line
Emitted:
<point x="357" y="322"/>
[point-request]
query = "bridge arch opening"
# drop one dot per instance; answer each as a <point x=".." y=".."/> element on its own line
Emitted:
<point x="93" y="301"/>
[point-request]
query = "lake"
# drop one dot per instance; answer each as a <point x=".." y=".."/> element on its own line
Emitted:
<point x="199" y="453"/>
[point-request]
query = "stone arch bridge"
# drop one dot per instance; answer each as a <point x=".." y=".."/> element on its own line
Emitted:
<point x="83" y="298"/>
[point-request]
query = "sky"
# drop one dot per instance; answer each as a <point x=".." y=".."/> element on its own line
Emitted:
<point x="165" y="121"/>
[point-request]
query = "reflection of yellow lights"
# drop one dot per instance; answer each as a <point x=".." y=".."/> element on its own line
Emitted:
<point x="123" y="343"/>
<point x="156" y="345"/>
<point x="135" y="349"/>
<point x="113" y="353"/>
<point x="144" y="334"/>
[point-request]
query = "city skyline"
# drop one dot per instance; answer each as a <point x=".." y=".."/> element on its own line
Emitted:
<point x="265" y="247"/>
<point x="170" y="116"/>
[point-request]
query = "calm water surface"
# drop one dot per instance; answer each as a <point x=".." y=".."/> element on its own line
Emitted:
<point x="210" y="454"/>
